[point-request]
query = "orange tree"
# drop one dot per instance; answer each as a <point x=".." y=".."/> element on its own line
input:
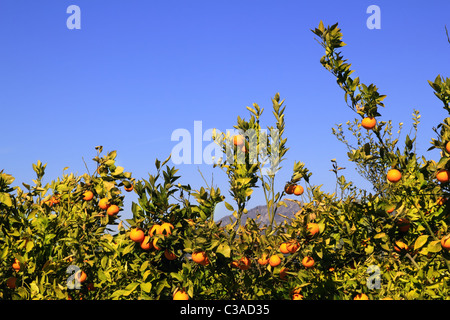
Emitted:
<point x="56" y="240"/>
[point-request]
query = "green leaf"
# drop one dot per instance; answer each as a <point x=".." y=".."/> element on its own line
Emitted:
<point x="228" y="206"/>
<point x="434" y="246"/>
<point x="420" y="242"/>
<point x="29" y="246"/>
<point x="224" y="249"/>
<point x="146" y="287"/>
<point x="5" y="198"/>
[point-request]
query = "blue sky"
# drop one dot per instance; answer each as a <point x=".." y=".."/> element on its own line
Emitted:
<point x="138" y="70"/>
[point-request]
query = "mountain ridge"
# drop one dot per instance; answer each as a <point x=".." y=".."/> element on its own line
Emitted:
<point x="263" y="218"/>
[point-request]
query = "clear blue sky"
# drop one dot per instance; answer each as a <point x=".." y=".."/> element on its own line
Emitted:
<point x="138" y="70"/>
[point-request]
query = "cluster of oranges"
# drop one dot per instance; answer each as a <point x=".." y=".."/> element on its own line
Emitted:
<point x="149" y="241"/>
<point x="294" y="189"/>
<point x="394" y="175"/>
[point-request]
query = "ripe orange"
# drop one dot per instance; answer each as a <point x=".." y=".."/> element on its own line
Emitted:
<point x="298" y="190"/>
<point x="165" y="229"/>
<point x="234" y="264"/>
<point x="169" y="255"/>
<point x="238" y="140"/>
<point x="289" y="189"/>
<point x="11" y="282"/>
<point x="361" y="296"/>
<point x="154" y="230"/>
<point x="137" y="235"/>
<point x="129" y="189"/>
<point x="308" y="262"/>
<point x="447" y="147"/>
<point x="274" y="260"/>
<point x="400" y="246"/>
<point x="394" y="175"/>
<point x="263" y="260"/>
<point x="443" y="176"/>
<point x="283" y="248"/>
<point x="369" y="123"/>
<point x="16" y="265"/>
<point x="180" y="294"/>
<point x="445" y="242"/>
<point x="312" y="228"/>
<point x="293" y="246"/>
<point x="103" y="204"/>
<point x="81" y="276"/>
<point x="55" y="199"/>
<point x="88" y="195"/>
<point x="112" y="210"/>
<point x="244" y="263"/>
<point x="403" y="224"/>
<point x="199" y="257"/>
<point x="297" y="296"/>
<point x="146" y="244"/>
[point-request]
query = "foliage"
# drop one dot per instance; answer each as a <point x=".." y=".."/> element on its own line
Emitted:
<point x="50" y="233"/>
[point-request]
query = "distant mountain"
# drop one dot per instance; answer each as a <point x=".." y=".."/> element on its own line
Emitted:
<point x="288" y="211"/>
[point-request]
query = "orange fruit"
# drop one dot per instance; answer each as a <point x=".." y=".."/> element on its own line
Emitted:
<point x="274" y="260"/>
<point x="283" y="248"/>
<point x="263" y="260"/>
<point x="129" y="189"/>
<point x="369" y="123"/>
<point x="165" y="229"/>
<point x="447" y="147"/>
<point x="244" y="263"/>
<point x="312" y="228"/>
<point x="81" y="276"/>
<point x="137" y="235"/>
<point x="146" y="244"/>
<point x="297" y="296"/>
<point x="361" y="296"/>
<point x="443" y="176"/>
<point x="112" y="210"/>
<point x="103" y="204"/>
<point x="16" y="265"/>
<point x="445" y="242"/>
<point x="298" y="190"/>
<point x="403" y="224"/>
<point x="55" y="199"/>
<point x="88" y="195"/>
<point x="394" y="175"/>
<point x="400" y="246"/>
<point x="289" y="189"/>
<point x="238" y="140"/>
<point x="155" y="229"/>
<point x="154" y="243"/>
<point x="11" y="282"/>
<point x="180" y="294"/>
<point x="199" y="257"/>
<point x="293" y="246"/>
<point x="234" y="264"/>
<point x="308" y="262"/>
<point x="169" y="255"/>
